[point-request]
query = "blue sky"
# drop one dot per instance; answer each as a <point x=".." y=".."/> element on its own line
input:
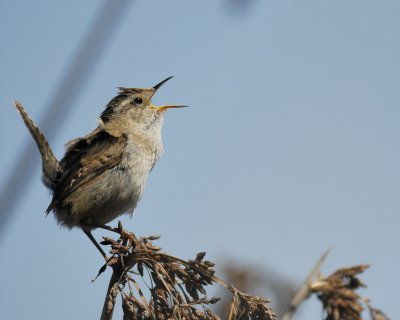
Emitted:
<point x="290" y="145"/>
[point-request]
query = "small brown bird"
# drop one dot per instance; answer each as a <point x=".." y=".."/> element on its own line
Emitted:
<point x="103" y="175"/>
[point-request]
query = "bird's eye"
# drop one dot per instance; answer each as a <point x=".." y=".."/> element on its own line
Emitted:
<point x="137" y="101"/>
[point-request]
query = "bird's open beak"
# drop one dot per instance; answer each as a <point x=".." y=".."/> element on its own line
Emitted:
<point x="163" y="108"/>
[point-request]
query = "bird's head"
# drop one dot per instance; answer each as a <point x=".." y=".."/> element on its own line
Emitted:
<point x="132" y="109"/>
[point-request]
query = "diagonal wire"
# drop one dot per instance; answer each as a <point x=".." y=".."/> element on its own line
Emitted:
<point x="61" y="102"/>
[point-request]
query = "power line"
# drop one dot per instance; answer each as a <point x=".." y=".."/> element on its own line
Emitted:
<point x="61" y="102"/>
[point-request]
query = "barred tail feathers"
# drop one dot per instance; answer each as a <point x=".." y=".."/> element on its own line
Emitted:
<point x="50" y="165"/>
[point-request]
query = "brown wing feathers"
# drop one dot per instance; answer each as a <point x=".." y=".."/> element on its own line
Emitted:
<point x="83" y="162"/>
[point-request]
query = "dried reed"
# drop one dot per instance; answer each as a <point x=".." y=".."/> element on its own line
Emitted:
<point x="339" y="298"/>
<point x="176" y="289"/>
<point x="337" y="293"/>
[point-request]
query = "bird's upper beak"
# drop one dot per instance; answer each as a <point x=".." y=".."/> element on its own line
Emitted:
<point x="158" y="85"/>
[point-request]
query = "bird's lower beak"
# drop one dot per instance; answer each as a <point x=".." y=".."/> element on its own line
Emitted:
<point x="164" y="108"/>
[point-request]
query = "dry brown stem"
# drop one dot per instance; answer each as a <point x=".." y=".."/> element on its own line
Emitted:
<point x="337" y="293"/>
<point x="305" y="289"/>
<point x="256" y="280"/>
<point x="376" y="314"/>
<point x="111" y="295"/>
<point x="174" y="288"/>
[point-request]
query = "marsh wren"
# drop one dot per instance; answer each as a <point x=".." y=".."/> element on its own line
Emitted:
<point x="103" y="175"/>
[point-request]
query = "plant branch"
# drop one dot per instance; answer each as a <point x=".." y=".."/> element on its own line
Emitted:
<point x="178" y="286"/>
<point x="305" y="289"/>
<point x="112" y="291"/>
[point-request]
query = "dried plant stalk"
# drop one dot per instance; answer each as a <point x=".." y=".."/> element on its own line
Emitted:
<point x="376" y="314"/>
<point x="338" y="296"/>
<point x="175" y="288"/>
<point x="337" y="293"/>
<point x="304" y="291"/>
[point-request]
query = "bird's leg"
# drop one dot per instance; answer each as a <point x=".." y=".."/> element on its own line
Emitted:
<point x="90" y="236"/>
<point x="106" y="227"/>
<point x="118" y="230"/>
